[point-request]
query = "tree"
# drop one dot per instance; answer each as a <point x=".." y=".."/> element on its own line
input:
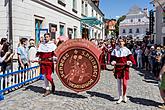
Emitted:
<point x="117" y="24"/>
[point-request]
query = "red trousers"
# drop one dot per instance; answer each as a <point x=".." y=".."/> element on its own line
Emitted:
<point x="47" y="70"/>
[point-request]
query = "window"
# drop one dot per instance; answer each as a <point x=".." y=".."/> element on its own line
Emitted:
<point x="93" y="34"/>
<point x="99" y="36"/>
<point x="124" y="31"/>
<point x="130" y="30"/>
<point x="86" y="9"/>
<point x="139" y="20"/>
<point x="131" y="20"/>
<point x="61" y="30"/>
<point x="61" y="2"/>
<point x="75" y="32"/>
<point x="92" y="12"/>
<point x="100" y="20"/>
<point x="82" y="7"/>
<point x="137" y="30"/>
<point x="38" y="26"/>
<point x="53" y="30"/>
<point x="70" y="33"/>
<point x="74" y="6"/>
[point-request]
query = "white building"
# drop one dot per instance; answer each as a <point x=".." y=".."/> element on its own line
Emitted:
<point x="160" y="21"/>
<point x="135" y="24"/>
<point x="90" y="14"/>
<point x="32" y="18"/>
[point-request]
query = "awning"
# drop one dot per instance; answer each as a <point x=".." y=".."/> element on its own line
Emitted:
<point x="91" y="21"/>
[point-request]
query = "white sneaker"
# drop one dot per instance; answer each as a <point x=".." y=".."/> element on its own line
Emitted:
<point x="120" y="100"/>
<point x="125" y="99"/>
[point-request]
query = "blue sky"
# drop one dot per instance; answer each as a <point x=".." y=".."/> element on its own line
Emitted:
<point x="115" y="8"/>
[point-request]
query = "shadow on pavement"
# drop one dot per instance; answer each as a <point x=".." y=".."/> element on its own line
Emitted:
<point x="35" y="89"/>
<point x="69" y="94"/>
<point x="151" y="81"/>
<point x="145" y="102"/>
<point x="59" y="93"/>
<point x="101" y="95"/>
<point x="148" y="77"/>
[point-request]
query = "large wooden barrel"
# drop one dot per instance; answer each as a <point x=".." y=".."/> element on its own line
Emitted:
<point x="78" y="64"/>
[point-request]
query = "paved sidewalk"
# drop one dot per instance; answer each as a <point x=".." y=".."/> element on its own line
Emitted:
<point x="142" y="94"/>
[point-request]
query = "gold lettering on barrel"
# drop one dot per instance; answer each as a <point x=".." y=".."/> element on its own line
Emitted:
<point x="61" y="65"/>
<point x="77" y="86"/>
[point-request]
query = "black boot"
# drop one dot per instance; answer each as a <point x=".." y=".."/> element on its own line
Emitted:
<point x="53" y="88"/>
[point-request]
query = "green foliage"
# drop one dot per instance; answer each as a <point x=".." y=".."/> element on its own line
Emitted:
<point x="117" y="24"/>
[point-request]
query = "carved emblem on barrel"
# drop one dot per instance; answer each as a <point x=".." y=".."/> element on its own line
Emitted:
<point x="78" y="67"/>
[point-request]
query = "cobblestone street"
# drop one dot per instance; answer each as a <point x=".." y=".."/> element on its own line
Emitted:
<point x="142" y="94"/>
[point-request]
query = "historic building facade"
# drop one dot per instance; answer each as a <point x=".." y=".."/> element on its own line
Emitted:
<point x="136" y="23"/>
<point x="92" y="25"/>
<point x="32" y="18"/>
<point x="159" y="21"/>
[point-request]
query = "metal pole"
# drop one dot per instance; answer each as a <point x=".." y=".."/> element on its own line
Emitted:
<point x="10" y="28"/>
<point x="10" y="24"/>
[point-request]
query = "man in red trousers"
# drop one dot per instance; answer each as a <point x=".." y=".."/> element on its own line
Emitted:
<point x="122" y="59"/>
<point x="46" y="55"/>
